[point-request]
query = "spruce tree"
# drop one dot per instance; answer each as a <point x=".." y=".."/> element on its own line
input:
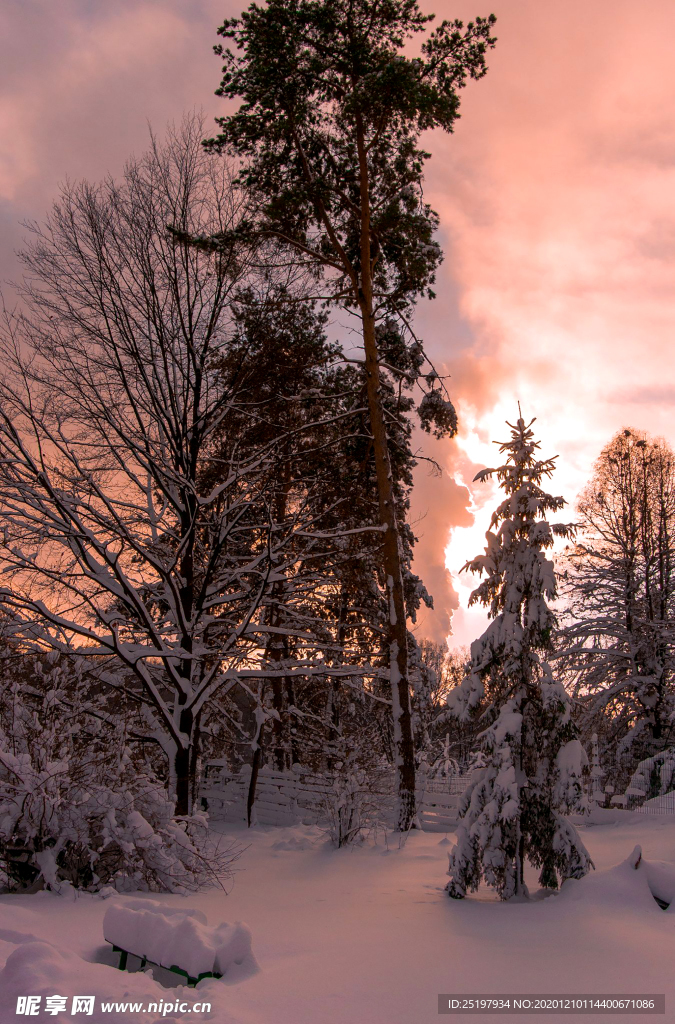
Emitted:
<point x="515" y="809"/>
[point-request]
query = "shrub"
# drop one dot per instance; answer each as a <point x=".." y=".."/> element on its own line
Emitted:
<point x="78" y="805"/>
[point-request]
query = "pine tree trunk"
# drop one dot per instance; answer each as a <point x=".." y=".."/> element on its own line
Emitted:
<point x="255" y="768"/>
<point x="275" y="652"/>
<point x="520" y="864"/>
<point x="392" y="561"/>
<point x="291" y="727"/>
<point x="393" y="571"/>
<point x="278" y="705"/>
<point x="333" y="706"/>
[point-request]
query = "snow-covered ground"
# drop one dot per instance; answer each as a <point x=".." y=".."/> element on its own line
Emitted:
<point x="367" y="935"/>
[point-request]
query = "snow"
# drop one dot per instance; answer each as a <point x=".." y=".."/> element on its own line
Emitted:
<point x="572" y="757"/>
<point x="659" y="804"/>
<point x="172" y="937"/>
<point x="367" y="934"/>
<point x="44" y="969"/>
<point x="661" y="879"/>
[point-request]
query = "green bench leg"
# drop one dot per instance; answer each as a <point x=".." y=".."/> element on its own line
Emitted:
<point x="191" y="982"/>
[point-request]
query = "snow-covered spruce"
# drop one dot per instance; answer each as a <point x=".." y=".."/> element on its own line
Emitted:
<point x="532" y="775"/>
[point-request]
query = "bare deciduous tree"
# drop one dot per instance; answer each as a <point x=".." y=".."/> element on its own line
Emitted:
<point x="111" y="398"/>
<point x="620" y="584"/>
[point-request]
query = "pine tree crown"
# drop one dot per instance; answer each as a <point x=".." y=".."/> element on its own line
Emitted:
<point x="514" y="565"/>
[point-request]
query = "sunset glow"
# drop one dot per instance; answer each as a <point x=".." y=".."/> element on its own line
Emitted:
<point x="555" y="197"/>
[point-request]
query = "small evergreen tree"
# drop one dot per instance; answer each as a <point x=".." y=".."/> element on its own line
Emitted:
<point x="531" y="778"/>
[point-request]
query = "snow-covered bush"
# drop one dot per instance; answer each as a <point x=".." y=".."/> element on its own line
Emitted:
<point x="445" y="766"/>
<point x="354" y="806"/>
<point x="654" y="776"/>
<point x="77" y="804"/>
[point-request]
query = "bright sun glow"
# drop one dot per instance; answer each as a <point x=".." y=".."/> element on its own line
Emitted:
<point x="476" y="443"/>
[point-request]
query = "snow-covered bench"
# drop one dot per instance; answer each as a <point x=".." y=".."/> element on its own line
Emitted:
<point x="177" y="940"/>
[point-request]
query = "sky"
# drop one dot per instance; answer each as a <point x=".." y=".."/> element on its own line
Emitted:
<point x="555" y="194"/>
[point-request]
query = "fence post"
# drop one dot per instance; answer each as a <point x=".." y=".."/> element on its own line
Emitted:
<point x="421" y="776"/>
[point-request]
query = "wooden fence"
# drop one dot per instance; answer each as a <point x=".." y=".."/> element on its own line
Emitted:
<point x="301" y="797"/>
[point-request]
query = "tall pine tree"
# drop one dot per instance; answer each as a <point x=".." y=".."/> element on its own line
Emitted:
<point x="515" y="809"/>
<point x="328" y="132"/>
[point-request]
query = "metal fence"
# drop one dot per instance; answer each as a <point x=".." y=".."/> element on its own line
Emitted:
<point x="635" y="785"/>
<point x="664" y="804"/>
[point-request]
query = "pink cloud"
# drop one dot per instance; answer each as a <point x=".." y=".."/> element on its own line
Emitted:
<point x="555" y="195"/>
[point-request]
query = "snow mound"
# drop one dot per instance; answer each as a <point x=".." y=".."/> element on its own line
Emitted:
<point x="39" y="968"/>
<point x="613" y="815"/>
<point x="18" y="925"/>
<point x="626" y="886"/>
<point x="661" y="878"/>
<point x="155" y="907"/>
<point x="177" y="938"/>
<point x="660" y="804"/>
<point x="293" y="843"/>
